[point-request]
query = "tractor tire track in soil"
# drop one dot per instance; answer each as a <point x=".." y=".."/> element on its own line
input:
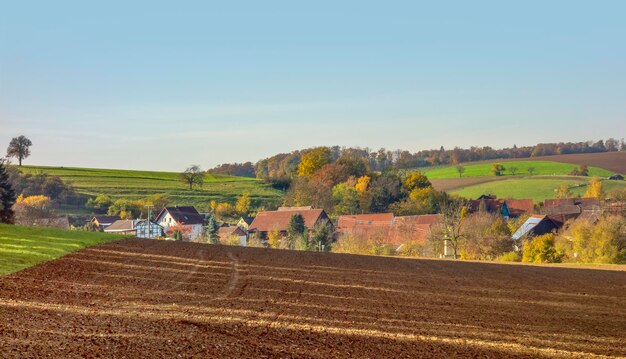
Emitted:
<point x="143" y="298"/>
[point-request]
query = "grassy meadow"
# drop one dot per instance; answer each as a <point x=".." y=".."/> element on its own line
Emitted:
<point x="542" y="168"/>
<point x="140" y="184"/>
<point x="23" y="247"/>
<point x="536" y="187"/>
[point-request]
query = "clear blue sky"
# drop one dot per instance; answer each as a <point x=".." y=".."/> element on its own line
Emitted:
<point x="162" y="85"/>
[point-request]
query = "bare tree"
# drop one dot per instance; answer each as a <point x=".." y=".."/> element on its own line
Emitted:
<point x="460" y="169"/>
<point x="448" y="235"/>
<point x="192" y="176"/>
<point x="19" y="147"/>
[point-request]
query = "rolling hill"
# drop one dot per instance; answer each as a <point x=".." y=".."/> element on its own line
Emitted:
<point x="140" y="184"/>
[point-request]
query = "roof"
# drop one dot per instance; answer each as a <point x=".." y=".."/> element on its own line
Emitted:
<point x="563" y="210"/>
<point x="532" y="222"/>
<point x="247" y="220"/>
<point x="303" y="208"/>
<point x="351" y="220"/>
<point x="225" y="232"/>
<point x="428" y="219"/>
<point x="182" y="214"/>
<point x="516" y="207"/>
<point x="279" y="220"/>
<point x="122" y="225"/>
<point x="105" y="219"/>
<point x="584" y="203"/>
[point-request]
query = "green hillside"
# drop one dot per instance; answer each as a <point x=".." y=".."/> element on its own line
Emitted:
<point x="536" y="187"/>
<point x="23" y="247"/>
<point x="140" y="184"/>
<point x="484" y="169"/>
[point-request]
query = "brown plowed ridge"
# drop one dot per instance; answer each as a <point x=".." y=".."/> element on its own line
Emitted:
<point x="141" y="298"/>
<point x="447" y="184"/>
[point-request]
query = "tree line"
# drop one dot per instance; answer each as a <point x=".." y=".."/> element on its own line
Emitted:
<point x="280" y="168"/>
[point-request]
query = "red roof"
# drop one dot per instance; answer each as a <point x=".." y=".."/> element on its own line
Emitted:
<point x="428" y="219"/>
<point x="279" y="220"/>
<point x="351" y="220"/>
<point x="584" y="203"/>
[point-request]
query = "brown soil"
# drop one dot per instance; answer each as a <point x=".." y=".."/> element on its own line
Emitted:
<point x="142" y="298"/>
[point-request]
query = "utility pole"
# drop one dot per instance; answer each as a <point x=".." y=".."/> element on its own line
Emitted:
<point x="148" y="223"/>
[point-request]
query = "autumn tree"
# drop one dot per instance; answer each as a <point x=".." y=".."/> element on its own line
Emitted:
<point x="242" y="207"/>
<point x="595" y="189"/>
<point x="313" y="160"/>
<point x="416" y="180"/>
<point x="346" y="198"/>
<point x="19" y="147"/>
<point x="563" y="191"/>
<point x="100" y="203"/>
<point x="192" y="176"/>
<point x="541" y="249"/>
<point x="7" y="196"/>
<point x="497" y="169"/>
<point x="28" y="209"/>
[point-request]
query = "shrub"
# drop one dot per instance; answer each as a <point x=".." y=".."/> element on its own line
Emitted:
<point x="510" y="257"/>
<point x="541" y="250"/>
<point x="231" y="241"/>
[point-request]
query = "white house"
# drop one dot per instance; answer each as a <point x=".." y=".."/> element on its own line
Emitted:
<point x="186" y="219"/>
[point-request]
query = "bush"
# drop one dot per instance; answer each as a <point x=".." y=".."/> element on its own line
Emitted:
<point x="510" y="257"/>
<point x="604" y="242"/>
<point x="541" y="249"/>
<point x="231" y="241"/>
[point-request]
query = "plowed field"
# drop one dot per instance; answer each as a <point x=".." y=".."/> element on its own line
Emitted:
<point x="145" y="299"/>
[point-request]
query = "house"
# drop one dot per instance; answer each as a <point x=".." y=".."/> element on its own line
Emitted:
<point x="535" y="225"/>
<point x="245" y="222"/>
<point x="268" y="221"/>
<point x="186" y="219"/>
<point x="508" y="208"/>
<point x="148" y="229"/>
<point x="104" y="221"/>
<point x="233" y="232"/>
<point x="353" y="220"/>
<point x="123" y="226"/>
<point x="561" y="210"/>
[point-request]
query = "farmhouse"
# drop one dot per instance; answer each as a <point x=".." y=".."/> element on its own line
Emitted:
<point x="560" y="210"/>
<point x="104" y="221"/>
<point x="186" y="219"/>
<point x="536" y="225"/>
<point x="233" y="232"/>
<point x="268" y="221"/>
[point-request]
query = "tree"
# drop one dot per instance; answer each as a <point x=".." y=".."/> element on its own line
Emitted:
<point x="7" y="196"/>
<point x="192" y="176"/>
<point x="460" y="169"/>
<point x="211" y="231"/>
<point x="416" y="180"/>
<point x="322" y="237"/>
<point x="19" y="147"/>
<point x="100" y="204"/>
<point x="513" y="170"/>
<point x="314" y="160"/>
<point x="274" y="238"/>
<point x="29" y="209"/>
<point x="296" y="226"/>
<point x="595" y="189"/>
<point x="346" y="198"/>
<point x="563" y="191"/>
<point x="530" y="170"/>
<point x="541" y="250"/>
<point x="243" y="204"/>
<point x="497" y="169"/>
<point x="449" y="232"/>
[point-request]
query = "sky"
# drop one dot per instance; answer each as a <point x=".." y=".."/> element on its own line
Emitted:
<point x="163" y="85"/>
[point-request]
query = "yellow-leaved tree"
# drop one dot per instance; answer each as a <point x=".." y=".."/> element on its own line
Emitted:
<point x="314" y="160"/>
<point x="243" y="204"/>
<point x="595" y="189"/>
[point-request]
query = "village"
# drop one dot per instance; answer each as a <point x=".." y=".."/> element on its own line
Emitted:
<point x="187" y="224"/>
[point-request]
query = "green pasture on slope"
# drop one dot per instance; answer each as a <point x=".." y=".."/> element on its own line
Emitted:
<point x="140" y="184"/>
<point x="544" y="168"/>
<point x="23" y="247"/>
<point x="536" y="187"/>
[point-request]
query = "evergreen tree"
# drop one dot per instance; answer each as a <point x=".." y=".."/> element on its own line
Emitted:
<point x="7" y="196"/>
<point x="211" y="231"/>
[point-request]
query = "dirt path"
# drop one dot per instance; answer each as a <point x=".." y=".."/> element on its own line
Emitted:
<point x="141" y="298"/>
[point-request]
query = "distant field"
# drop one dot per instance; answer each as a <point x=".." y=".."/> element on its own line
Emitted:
<point x="23" y="247"/>
<point x="536" y="187"/>
<point x="612" y="161"/>
<point x="483" y="169"/>
<point x="140" y="184"/>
